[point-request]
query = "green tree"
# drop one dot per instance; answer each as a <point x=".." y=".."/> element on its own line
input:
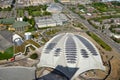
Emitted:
<point x="46" y="13"/>
<point x="56" y="1"/>
<point x="34" y="56"/>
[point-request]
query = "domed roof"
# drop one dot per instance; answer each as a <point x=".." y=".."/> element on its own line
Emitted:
<point x="70" y="54"/>
<point x="16" y="36"/>
<point x="54" y="8"/>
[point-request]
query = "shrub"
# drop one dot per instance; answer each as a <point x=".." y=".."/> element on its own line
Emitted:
<point x="34" y="56"/>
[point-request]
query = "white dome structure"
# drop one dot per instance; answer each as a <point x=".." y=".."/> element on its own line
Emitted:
<point x="17" y="39"/>
<point x="70" y="54"/>
<point x="54" y="8"/>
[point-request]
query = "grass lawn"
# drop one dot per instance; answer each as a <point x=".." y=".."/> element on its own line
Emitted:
<point x="56" y="1"/>
<point x="36" y="10"/>
<point x="99" y="41"/>
<point x="36" y="13"/>
<point x="52" y="31"/>
<point x="32" y="48"/>
<point x="80" y="25"/>
<point x="99" y="19"/>
<point x="31" y="29"/>
<point x="22" y="47"/>
<point x="8" y="53"/>
<point x="82" y="7"/>
<point x="32" y="42"/>
<point x="20" y="12"/>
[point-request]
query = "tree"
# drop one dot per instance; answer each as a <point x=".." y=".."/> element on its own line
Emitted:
<point x="0" y="9"/>
<point x="56" y="1"/>
<point x="34" y="56"/>
<point x="46" y="13"/>
<point x="44" y="7"/>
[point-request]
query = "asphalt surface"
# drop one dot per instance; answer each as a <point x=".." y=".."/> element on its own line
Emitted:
<point x="17" y="73"/>
<point x="103" y="36"/>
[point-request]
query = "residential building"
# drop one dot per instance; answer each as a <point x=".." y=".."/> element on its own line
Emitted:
<point x="5" y="3"/>
<point x="109" y="0"/>
<point x="75" y="1"/>
<point x="22" y="3"/>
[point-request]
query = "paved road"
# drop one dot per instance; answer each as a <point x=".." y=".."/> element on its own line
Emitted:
<point x="104" y="37"/>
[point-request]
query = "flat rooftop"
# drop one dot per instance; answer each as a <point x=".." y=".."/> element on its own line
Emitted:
<point x="5" y="39"/>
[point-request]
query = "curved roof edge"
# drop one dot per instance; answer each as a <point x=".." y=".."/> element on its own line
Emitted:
<point x="81" y="64"/>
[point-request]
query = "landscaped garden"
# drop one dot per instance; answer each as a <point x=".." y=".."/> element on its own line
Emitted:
<point x="102" y="7"/>
<point x="34" y="56"/>
<point x="37" y="10"/>
<point x="7" y="54"/>
<point x="99" y="41"/>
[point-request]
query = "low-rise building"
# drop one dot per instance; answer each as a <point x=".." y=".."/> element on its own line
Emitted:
<point x="65" y="1"/>
<point x="5" y="3"/>
<point x="54" y="20"/>
<point x="22" y="3"/>
<point x="104" y="0"/>
<point x="109" y="0"/>
<point x="112" y="20"/>
<point x="21" y="26"/>
<point x="19" y="19"/>
<point x="117" y="30"/>
<point x="117" y="36"/>
<point x="5" y="39"/>
<point x="37" y="2"/>
<point x="117" y="21"/>
<point x="75" y="1"/>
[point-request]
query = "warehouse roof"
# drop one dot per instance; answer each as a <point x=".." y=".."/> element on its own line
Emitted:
<point x="7" y="21"/>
